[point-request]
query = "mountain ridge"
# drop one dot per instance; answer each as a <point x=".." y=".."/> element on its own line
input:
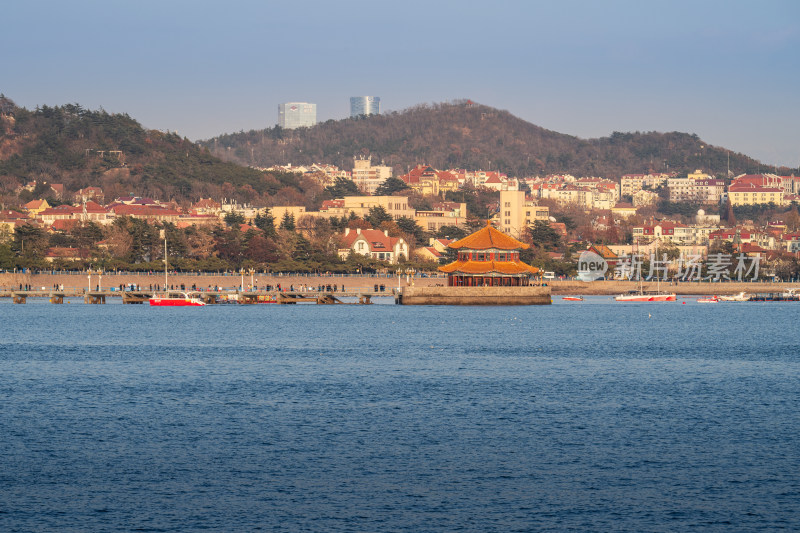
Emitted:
<point x="463" y="134"/>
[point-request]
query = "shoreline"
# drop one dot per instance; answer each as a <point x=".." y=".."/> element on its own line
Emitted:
<point x="145" y="280"/>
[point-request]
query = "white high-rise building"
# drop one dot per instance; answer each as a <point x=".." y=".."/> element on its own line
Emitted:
<point x="365" y="105"/>
<point x="297" y="115"/>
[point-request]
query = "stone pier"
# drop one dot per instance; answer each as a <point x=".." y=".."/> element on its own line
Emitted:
<point x="531" y="295"/>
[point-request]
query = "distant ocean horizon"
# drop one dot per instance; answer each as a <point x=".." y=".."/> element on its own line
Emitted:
<point x="583" y="416"/>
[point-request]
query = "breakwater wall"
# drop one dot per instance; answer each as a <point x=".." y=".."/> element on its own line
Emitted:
<point x="80" y="280"/>
<point x="569" y="287"/>
<point x="531" y="295"/>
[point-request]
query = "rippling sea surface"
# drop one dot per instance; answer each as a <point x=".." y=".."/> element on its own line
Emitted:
<point x="593" y="416"/>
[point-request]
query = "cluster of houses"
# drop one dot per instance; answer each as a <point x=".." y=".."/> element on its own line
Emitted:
<point x="374" y="243"/>
<point x="520" y="205"/>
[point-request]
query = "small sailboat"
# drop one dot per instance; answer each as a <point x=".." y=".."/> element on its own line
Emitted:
<point x="173" y="298"/>
<point x="642" y="295"/>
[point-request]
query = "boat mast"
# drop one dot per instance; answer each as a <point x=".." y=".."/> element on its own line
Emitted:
<point x="164" y="234"/>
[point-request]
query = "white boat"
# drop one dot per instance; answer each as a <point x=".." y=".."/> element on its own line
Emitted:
<point x="647" y="296"/>
<point x="741" y="297"/>
<point x="173" y="298"/>
<point x="708" y="300"/>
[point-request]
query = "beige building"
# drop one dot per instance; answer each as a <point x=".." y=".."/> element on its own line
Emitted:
<point x="35" y="207"/>
<point x="368" y="177"/>
<point x="698" y="191"/>
<point x="643" y="198"/>
<point x="698" y="175"/>
<point x="623" y="210"/>
<point x="443" y="214"/>
<point x="296" y="211"/>
<point x="750" y="194"/>
<point x="396" y="206"/>
<point x="631" y="183"/>
<point x="517" y="212"/>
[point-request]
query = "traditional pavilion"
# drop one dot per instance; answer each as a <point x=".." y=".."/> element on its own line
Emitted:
<point x="488" y="258"/>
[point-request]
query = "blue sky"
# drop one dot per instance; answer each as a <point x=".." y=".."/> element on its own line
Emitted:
<point x="728" y="71"/>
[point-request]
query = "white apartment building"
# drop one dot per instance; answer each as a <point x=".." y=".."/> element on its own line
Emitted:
<point x="698" y="191"/>
<point x="367" y="176"/>
<point x="631" y="183"/>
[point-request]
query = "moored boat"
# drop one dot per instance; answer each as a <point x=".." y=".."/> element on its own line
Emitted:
<point x="176" y="299"/>
<point x="741" y="297"/>
<point x="707" y="300"/>
<point x="173" y="298"/>
<point x="647" y="296"/>
<point x="572" y="298"/>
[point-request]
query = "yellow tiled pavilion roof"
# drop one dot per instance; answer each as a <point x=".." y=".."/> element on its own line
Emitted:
<point x="488" y="267"/>
<point x="488" y="237"/>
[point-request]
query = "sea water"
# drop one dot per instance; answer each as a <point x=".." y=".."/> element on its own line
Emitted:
<point x="587" y="416"/>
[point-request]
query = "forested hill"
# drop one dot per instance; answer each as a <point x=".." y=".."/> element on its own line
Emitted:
<point x="467" y="135"/>
<point x="80" y="148"/>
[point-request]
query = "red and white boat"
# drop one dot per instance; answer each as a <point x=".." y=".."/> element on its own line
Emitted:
<point x="176" y="299"/>
<point x="173" y="298"/>
<point x="572" y="298"/>
<point x="647" y="296"/>
<point x="708" y="300"/>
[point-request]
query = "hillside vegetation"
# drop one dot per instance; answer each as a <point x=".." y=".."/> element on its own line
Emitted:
<point x="467" y="135"/>
<point x="80" y="148"/>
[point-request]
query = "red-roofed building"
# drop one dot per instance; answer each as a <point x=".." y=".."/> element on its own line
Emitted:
<point x="64" y="225"/>
<point x="9" y="221"/>
<point x="34" y="207"/>
<point x="88" y="212"/>
<point x="423" y="179"/>
<point x="791" y="242"/>
<point x="731" y="234"/>
<point x="435" y="251"/>
<point x="751" y="194"/>
<point x="328" y="205"/>
<point x="66" y="254"/>
<point x="206" y="206"/>
<point x="664" y="230"/>
<point x="428" y="253"/>
<point x="373" y="243"/>
<point x="60" y="212"/>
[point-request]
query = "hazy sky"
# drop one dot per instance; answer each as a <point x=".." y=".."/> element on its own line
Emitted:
<point x="728" y="71"/>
